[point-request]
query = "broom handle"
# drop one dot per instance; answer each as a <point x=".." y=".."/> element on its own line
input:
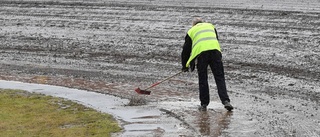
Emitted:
<point x="157" y="83"/>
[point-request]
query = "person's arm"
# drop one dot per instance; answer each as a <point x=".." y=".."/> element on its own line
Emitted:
<point x="186" y="51"/>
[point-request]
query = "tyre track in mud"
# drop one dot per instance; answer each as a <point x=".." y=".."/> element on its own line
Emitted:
<point x="271" y="56"/>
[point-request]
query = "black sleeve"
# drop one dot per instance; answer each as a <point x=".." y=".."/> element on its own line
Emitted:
<point x="186" y="51"/>
<point x="216" y="33"/>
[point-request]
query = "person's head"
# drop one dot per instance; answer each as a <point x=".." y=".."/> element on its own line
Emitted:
<point x="196" y="21"/>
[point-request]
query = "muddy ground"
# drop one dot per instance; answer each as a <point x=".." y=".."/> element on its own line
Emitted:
<point x="271" y="53"/>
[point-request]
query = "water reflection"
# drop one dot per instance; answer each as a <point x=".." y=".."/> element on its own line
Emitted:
<point x="213" y="123"/>
<point x="204" y="123"/>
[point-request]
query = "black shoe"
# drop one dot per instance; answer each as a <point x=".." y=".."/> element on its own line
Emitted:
<point x="228" y="106"/>
<point x="202" y="108"/>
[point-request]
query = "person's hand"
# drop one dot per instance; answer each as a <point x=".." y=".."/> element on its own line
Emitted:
<point x="185" y="69"/>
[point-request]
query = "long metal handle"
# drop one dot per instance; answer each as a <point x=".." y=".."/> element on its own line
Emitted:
<point x="157" y="83"/>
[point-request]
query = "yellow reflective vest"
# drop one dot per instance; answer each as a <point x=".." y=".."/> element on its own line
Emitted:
<point x="203" y="38"/>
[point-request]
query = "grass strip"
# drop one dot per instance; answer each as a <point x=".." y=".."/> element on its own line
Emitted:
<point x="24" y="114"/>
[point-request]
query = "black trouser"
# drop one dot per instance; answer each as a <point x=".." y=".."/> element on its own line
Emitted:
<point x="211" y="58"/>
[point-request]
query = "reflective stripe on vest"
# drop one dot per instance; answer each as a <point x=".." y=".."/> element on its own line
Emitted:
<point x="203" y="38"/>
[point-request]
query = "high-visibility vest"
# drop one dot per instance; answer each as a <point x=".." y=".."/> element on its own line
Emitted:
<point x="203" y="38"/>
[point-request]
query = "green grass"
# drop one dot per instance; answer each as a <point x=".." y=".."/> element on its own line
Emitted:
<point x="24" y="114"/>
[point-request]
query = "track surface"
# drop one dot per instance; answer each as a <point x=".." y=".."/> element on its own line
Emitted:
<point x="271" y="55"/>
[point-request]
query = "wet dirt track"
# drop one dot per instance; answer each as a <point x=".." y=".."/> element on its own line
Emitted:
<point x="271" y="55"/>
